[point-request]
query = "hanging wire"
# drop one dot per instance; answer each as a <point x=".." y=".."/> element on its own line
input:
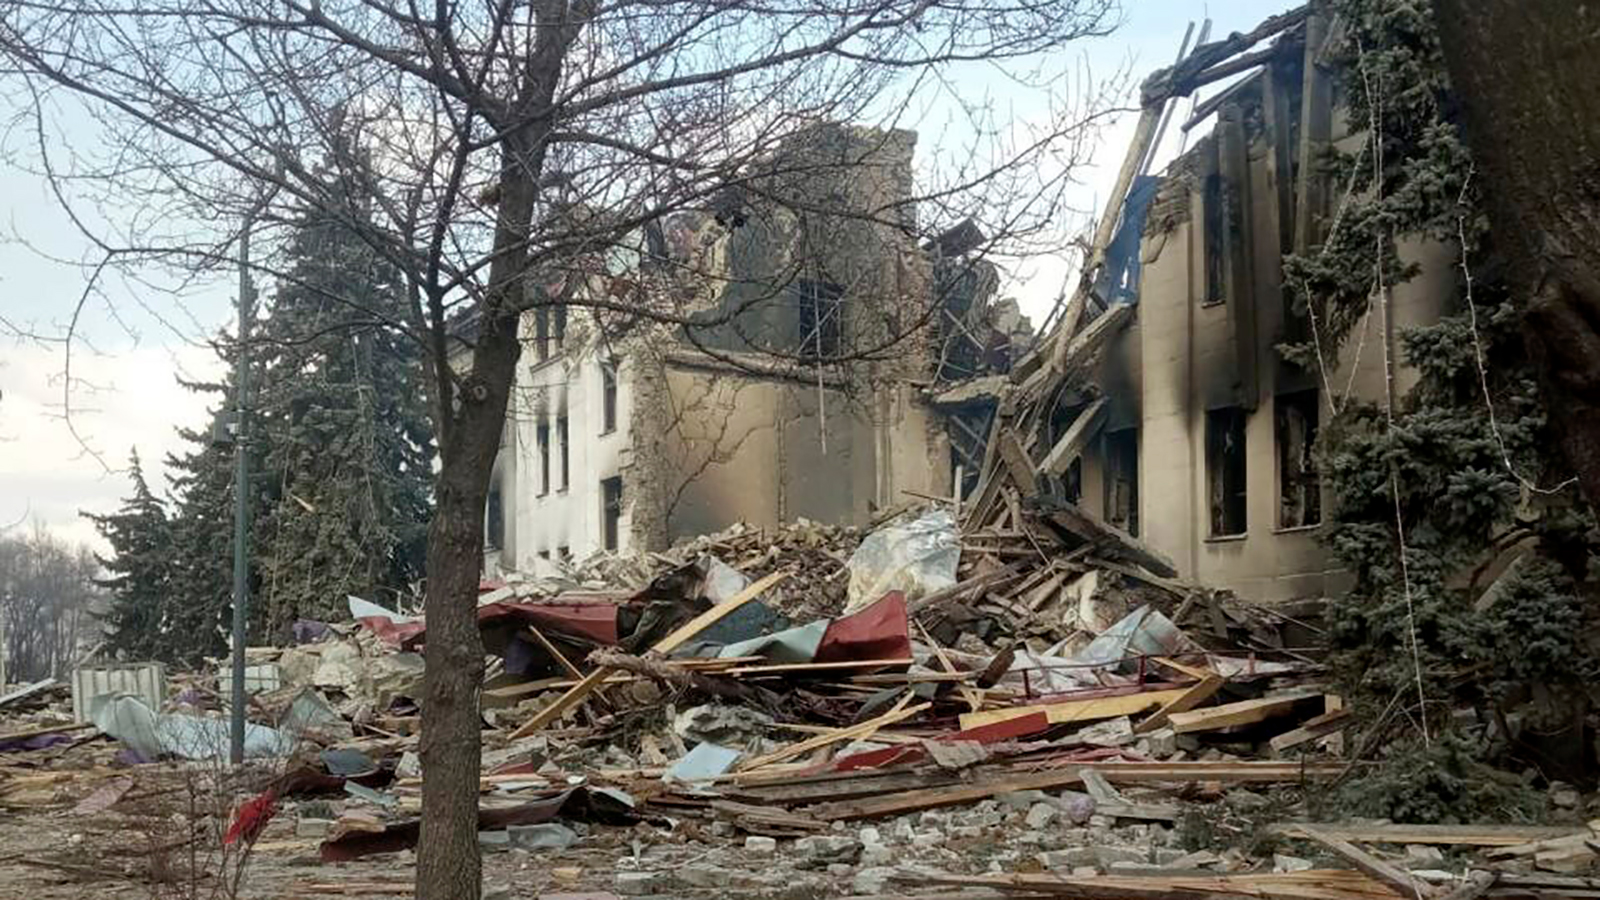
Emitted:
<point x="1478" y="352"/>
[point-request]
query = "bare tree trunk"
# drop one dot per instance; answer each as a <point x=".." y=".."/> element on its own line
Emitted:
<point x="448" y="862"/>
<point x="1527" y="73"/>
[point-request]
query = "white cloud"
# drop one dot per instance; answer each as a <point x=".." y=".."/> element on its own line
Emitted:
<point x="121" y="401"/>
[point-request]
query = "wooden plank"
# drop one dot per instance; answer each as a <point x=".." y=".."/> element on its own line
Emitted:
<point x="1018" y="465"/>
<point x="1369" y="864"/>
<point x="1198" y="673"/>
<point x="1189" y="699"/>
<point x="1244" y="712"/>
<point x="1310" y="884"/>
<point x="1077" y="710"/>
<point x="682" y="635"/>
<point x="1111" y="540"/>
<point x="560" y="658"/>
<point x="44" y="730"/>
<point x="1327" y="723"/>
<point x="1439" y="835"/>
<point x="1079" y="434"/>
<point x="689" y="630"/>
<point x="861" y="731"/>
<point x="1123" y="773"/>
<point x="1334" y="743"/>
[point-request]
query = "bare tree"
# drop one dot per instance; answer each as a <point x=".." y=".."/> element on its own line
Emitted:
<point x="46" y="592"/>
<point x="513" y="151"/>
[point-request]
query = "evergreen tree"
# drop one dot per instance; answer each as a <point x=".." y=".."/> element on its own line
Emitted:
<point x="348" y="443"/>
<point x="1424" y="501"/>
<point x="200" y="602"/>
<point x="139" y="570"/>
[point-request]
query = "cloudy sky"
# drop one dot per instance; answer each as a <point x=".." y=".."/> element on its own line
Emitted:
<point x="136" y="342"/>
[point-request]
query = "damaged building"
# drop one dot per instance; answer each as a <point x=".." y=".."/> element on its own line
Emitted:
<point x="796" y="392"/>
<point x="1159" y="406"/>
<point x="1192" y="435"/>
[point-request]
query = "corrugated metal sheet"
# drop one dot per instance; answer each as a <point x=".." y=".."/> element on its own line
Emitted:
<point x="147" y="681"/>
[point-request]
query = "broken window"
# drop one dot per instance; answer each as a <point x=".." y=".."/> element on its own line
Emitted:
<point x="544" y="458"/>
<point x="494" y="517"/>
<point x="1225" y="471"/>
<point x="608" y="397"/>
<point x="561" y="448"/>
<point x="541" y="334"/>
<point x="821" y="311"/>
<point x="1122" y="479"/>
<point x="610" y="512"/>
<point x="1299" y="487"/>
<point x="1214" y="214"/>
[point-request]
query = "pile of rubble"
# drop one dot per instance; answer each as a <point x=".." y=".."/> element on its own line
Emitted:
<point x="1008" y="708"/>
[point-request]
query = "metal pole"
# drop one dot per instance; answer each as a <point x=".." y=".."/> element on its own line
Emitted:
<point x="241" y="495"/>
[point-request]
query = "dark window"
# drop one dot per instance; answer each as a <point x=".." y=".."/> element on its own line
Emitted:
<point x="1299" y="486"/>
<point x="564" y="554"/>
<point x="1225" y="471"/>
<point x="544" y="459"/>
<point x="541" y="334"/>
<point x="821" y="312"/>
<point x="1072" y="481"/>
<point x="561" y="445"/>
<point x="1122" y="479"/>
<point x="610" y="512"/>
<point x="608" y="397"/>
<point x="1215" y="224"/>
<point x="494" y="517"/>
<point x="560" y="335"/>
<point x="544" y="554"/>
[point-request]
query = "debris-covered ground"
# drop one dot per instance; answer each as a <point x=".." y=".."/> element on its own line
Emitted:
<point x="916" y="711"/>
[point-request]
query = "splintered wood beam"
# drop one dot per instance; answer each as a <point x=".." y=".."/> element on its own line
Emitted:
<point x="1079" y="434"/>
<point x="1111" y="541"/>
<point x="1188" y="700"/>
<point x="1369" y="864"/>
<point x="1325" y="724"/>
<point x="1245" y="712"/>
<point x="1086" y="710"/>
<point x="671" y="642"/>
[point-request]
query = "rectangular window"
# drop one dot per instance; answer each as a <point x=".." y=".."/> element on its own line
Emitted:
<point x="560" y="335"/>
<point x="494" y="517"/>
<point x="541" y="334"/>
<point x="1214" y="215"/>
<point x="610" y="512"/>
<point x="1225" y="471"/>
<point x="1299" y="485"/>
<point x="561" y="445"/>
<point x="608" y="397"/>
<point x="1122" y="479"/>
<point x="544" y="459"/>
<point x="821" y="314"/>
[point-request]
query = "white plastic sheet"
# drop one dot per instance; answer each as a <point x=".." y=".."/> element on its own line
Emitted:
<point x="916" y="556"/>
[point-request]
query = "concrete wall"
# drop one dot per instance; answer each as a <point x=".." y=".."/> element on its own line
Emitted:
<point x="539" y="521"/>
<point x="1184" y="356"/>
<point x="764" y="451"/>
